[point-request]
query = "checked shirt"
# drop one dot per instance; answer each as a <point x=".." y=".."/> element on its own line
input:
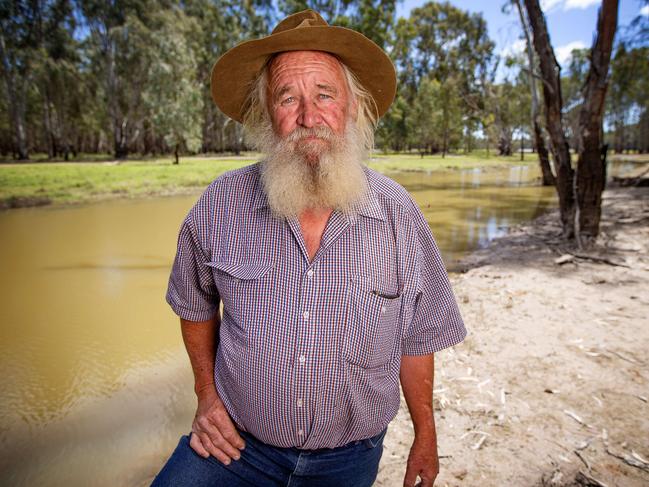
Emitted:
<point x="309" y="352"/>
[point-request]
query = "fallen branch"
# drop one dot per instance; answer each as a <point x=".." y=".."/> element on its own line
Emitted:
<point x="634" y="461"/>
<point x="576" y="418"/>
<point x="598" y="259"/>
<point x="586" y="480"/>
<point x="479" y="443"/>
<point x="581" y="457"/>
<point x="623" y="357"/>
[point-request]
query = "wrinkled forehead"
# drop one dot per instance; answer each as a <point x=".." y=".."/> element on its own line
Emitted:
<point x="287" y="65"/>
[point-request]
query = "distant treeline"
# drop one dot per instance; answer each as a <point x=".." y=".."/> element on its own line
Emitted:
<point x="132" y="76"/>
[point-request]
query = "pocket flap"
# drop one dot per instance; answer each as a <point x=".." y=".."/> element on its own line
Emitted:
<point x="245" y="271"/>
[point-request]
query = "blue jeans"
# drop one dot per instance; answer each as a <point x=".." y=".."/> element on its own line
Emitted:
<point x="261" y="465"/>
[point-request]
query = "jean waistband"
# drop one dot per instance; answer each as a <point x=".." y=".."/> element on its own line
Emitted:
<point x="371" y="442"/>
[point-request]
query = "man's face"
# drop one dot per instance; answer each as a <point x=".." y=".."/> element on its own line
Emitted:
<point x="307" y="89"/>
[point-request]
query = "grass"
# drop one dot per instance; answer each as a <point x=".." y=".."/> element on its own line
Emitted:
<point x="387" y="163"/>
<point x="60" y="183"/>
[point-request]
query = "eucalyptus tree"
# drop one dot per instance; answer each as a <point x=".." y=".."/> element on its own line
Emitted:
<point x="628" y="98"/>
<point x="118" y="53"/>
<point x="219" y="25"/>
<point x="333" y="11"/>
<point x="535" y="109"/>
<point x="373" y="18"/>
<point x="172" y="95"/>
<point x="571" y="85"/>
<point x="18" y="50"/>
<point x="508" y="103"/>
<point x="58" y="80"/>
<point x="423" y="124"/>
<point x="453" y="47"/>
<point x="392" y="131"/>
<point x="580" y="199"/>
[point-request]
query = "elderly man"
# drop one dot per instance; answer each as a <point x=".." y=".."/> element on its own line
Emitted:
<point x="332" y="287"/>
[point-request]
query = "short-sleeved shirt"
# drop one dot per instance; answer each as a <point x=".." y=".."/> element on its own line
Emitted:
<point x="309" y="351"/>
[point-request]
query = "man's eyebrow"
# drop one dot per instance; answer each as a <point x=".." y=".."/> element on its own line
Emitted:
<point x="282" y="91"/>
<point x="327" y="88"/>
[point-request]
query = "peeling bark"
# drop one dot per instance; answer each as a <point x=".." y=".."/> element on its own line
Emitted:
<point x="591" y="166"/>
<point x="539" y="141"/>
<point x="550" y="73"/>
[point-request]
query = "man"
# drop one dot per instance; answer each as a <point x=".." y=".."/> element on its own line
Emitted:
<point x="332" y="287"/>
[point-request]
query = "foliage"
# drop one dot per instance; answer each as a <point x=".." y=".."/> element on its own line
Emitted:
<point x="132" y="76"/>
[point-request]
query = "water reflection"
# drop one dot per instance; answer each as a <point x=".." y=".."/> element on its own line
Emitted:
<point x="467" y="209"/>
<point x="96" y="387"/>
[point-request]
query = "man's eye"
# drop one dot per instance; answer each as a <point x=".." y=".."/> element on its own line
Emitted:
<point x="288" y="100"/>
<point x="324" y="96"/>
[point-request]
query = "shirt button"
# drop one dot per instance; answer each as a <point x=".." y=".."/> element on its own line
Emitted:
<point x="306" y="315"/>
<point x="310" y="273"/>
<point x="300" y="432"/>
<point x="302" y="359"/>
<point x="299" y="403"/>
<point x="382" y="309"/>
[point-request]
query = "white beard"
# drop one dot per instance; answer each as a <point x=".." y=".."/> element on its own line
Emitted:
<point x="299" y="174"/>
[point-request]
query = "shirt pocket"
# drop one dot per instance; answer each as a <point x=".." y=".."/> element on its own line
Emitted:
<point x="244" y="290"/>
<point x="372" y="324"/>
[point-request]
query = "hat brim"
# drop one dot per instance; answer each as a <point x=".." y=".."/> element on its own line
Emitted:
<point x="234" y="72"/>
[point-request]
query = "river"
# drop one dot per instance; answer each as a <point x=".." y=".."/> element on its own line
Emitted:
<point x="96" y="386"/>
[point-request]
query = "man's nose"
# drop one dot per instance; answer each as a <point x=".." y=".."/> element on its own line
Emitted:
<point x="309" y="115"/>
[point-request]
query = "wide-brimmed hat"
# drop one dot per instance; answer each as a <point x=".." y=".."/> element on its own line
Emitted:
<point x="234" y="72"/>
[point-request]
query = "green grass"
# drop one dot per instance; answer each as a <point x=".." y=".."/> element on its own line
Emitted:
<point x="387" y="163"/>
<point x="59" y="183"/>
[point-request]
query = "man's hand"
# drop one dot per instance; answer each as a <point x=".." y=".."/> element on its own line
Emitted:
<point x="422" y="462"/>
<point x="213" y="432"/>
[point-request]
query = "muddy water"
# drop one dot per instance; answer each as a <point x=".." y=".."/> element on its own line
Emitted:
<point x="95" y="384"/>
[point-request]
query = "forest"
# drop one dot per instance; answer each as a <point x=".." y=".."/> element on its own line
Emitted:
<point x="130" y="78"/>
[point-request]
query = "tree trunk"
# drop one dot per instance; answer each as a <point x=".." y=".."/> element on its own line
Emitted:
<point x="591" y="168"/>
<point x="16" y="103"/>
<point x="550" y="73"/>
<point x="522" y="147"/>
<point x="176" y="153"/>
<point x="544" y="159"/>
<point x="539" y="141"/>
<point x="504" y="143"/>
<point x="120" y="147"/>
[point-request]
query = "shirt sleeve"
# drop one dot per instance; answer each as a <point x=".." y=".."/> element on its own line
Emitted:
<point x="436" y="322"/>
<point x="192" y="293"/>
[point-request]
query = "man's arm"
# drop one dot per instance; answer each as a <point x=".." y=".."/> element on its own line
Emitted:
<point x="213" y="432"/>
<point x="416" y="373"/>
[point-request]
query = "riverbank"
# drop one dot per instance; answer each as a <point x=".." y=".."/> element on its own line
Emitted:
<point x="551" y="385"/>
<point x="68" y="183"/>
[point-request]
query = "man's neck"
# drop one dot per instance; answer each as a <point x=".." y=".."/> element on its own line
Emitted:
<point x="312" y="224"/>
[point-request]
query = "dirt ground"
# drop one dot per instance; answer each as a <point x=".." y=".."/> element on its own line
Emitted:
<point x="551" y="387"/>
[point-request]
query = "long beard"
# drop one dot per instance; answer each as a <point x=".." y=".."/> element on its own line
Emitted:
<point x="299" y="173"/>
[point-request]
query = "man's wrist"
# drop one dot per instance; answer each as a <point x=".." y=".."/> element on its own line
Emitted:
<point x="426" y="434"/>
<point x="205" y="390"/>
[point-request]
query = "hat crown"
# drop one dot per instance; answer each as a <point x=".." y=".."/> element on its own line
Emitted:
<point x="306" y="18"/>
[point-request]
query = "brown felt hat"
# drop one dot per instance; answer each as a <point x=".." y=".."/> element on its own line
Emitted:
<point x="234" y="72"/>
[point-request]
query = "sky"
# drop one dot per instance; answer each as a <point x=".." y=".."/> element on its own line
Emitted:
<point x="572" y="23"/>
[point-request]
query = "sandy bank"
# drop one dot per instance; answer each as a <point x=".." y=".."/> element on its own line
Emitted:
<point x="552" y="385"/>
